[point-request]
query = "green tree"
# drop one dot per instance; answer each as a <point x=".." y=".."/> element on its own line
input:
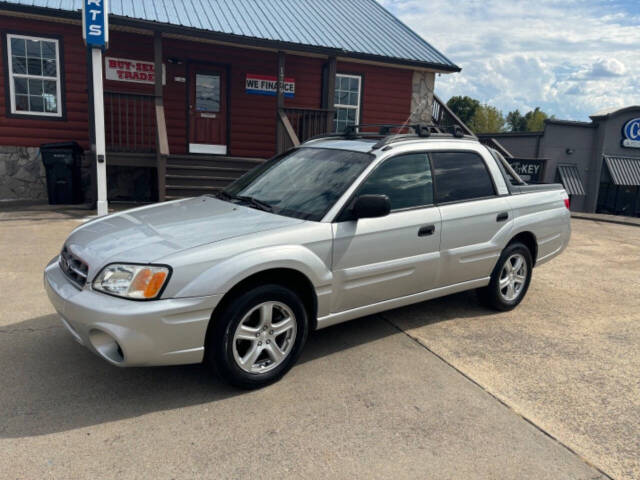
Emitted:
<point x="487" y="119"/>
<point x="464" y="107"/>
<point x="535" y="120"/>
<point x="516" y="121"/>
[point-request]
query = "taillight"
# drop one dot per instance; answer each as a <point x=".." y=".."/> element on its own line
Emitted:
<point x="567" y="203"/>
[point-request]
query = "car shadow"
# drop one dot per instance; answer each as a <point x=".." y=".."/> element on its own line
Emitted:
<point x="52" y="384"/>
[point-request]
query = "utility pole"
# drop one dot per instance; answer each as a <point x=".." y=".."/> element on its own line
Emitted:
<point x="95" y="32"/>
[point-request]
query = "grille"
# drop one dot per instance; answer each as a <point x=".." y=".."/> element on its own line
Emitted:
<point x="75" y="268"/>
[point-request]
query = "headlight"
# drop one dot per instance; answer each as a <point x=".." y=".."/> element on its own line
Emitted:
<point x="139" y="282"/>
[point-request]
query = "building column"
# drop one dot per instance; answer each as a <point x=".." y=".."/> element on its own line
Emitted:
<point x="162" y="142"/>
<point x="422" y="86"/>
<point x="594" y="170"/>
<point x="280" y="144"/>
<point x="329" y="90"/>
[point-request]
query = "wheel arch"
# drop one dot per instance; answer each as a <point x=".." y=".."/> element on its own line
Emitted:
<point x="287" y="277"/>
<point x="529" y="240"/>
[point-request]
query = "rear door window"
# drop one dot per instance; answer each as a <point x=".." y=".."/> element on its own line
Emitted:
<point x="460" y="176"/>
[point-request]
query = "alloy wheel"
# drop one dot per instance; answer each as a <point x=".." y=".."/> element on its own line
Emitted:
<point x="264" y="337"/>
<point x="513" y="277"/>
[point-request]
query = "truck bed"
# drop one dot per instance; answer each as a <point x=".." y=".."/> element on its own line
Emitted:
<point x="542" y="187"/>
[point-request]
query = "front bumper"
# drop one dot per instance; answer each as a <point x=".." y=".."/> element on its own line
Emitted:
<point x="131" y="333"/>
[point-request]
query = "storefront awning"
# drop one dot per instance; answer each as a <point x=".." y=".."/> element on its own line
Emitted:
<point x="624" y="171"/>
<point x="570" y="178"/>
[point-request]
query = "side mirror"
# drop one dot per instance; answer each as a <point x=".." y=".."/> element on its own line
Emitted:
<point x="370" y="206"/>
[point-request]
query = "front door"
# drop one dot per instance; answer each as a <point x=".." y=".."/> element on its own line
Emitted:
<point x="378" y="259"/>
<point x="207" y="111"/>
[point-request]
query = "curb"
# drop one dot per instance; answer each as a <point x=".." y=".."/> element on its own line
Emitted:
<point x="620" y="221"/>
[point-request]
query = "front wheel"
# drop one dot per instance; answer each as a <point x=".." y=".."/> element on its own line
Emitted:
<point x="510" y="278"/>
<point x="258" y="337"/>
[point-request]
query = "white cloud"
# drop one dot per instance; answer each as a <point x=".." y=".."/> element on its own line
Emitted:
<point x="571" y="58"/>
<point x="607" y="67"/>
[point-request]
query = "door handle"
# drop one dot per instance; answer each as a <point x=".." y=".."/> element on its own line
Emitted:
<point x="502" y="216"/>
<point x="426" y="230"/>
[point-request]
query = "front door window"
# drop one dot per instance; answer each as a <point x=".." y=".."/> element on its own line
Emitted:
<point x="405" y="179"/>
<point x="207" y="93"/>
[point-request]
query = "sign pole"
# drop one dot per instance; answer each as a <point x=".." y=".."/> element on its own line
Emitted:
<point x="98" y="117"/>
<point x="95" y="32"/>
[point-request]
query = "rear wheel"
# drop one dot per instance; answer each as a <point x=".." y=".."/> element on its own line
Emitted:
<point x="258" y="337"/>
<point x="510" y="278"/>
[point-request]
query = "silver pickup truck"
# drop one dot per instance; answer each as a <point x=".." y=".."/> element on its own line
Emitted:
<point x="338" y="228"/>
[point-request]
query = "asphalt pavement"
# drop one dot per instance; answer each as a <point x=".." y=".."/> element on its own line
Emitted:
<point x="444" y="389"/>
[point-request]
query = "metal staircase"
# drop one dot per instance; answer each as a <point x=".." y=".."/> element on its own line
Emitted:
<point x="442" y="116"/>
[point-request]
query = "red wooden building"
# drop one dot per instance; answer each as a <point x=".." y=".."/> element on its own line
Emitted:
<point x="190" y="91"/>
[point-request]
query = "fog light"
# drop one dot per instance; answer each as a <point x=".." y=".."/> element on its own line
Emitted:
<point x="106" y="346"/>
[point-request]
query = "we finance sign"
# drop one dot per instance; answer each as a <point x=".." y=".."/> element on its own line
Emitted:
<point x="268" y="85"/>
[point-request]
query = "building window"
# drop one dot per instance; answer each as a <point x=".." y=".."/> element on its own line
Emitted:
<point x="347" y="100"/>
<point x="34" y="75"/>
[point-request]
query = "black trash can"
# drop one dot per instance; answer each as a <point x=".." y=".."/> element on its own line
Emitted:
<point x="62" y="162"/>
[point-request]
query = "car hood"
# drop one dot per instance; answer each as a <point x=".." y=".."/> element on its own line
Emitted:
<point x="146" y="234"/>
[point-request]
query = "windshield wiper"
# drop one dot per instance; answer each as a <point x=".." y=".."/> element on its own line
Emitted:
<point x="223" y="195"/>
<point x="254" y="202"/>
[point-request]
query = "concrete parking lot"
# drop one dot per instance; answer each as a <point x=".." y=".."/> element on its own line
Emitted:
<point x="443" y="389"/>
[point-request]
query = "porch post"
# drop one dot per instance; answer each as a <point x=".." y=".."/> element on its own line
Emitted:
<point x="280" y="104"/>
<point x="162" y="142"/>
<point x="330" y="90"/>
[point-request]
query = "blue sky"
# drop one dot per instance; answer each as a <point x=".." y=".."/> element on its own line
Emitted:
<point x="572" y="58"/>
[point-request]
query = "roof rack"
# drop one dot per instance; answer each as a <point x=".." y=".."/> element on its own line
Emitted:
<point x="385" y="135"/>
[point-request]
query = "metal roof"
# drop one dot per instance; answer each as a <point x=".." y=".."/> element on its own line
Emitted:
<point x="624" y="171"/>
<point x="570" y="178"/>
<point x="351" y="27"/>
<point x="607" y="112"/>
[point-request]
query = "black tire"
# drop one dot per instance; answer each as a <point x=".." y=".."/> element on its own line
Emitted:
<point x="219" y="351"/>
<point x="492" y="295"/>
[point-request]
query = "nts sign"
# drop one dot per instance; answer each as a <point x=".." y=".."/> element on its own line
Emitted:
<point x="95" y="23"/>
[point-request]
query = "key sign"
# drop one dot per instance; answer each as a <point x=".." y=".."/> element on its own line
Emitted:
<point x="95" y="23"/>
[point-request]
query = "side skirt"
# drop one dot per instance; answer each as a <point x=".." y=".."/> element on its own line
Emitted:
<point x="335" y="318"/>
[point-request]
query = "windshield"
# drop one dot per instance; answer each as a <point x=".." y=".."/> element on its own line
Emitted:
<point x="303" y="183"/>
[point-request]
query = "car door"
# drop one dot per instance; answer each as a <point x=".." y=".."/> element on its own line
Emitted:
<point x="474" y="216"/>
<point x="378" y="259"/>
